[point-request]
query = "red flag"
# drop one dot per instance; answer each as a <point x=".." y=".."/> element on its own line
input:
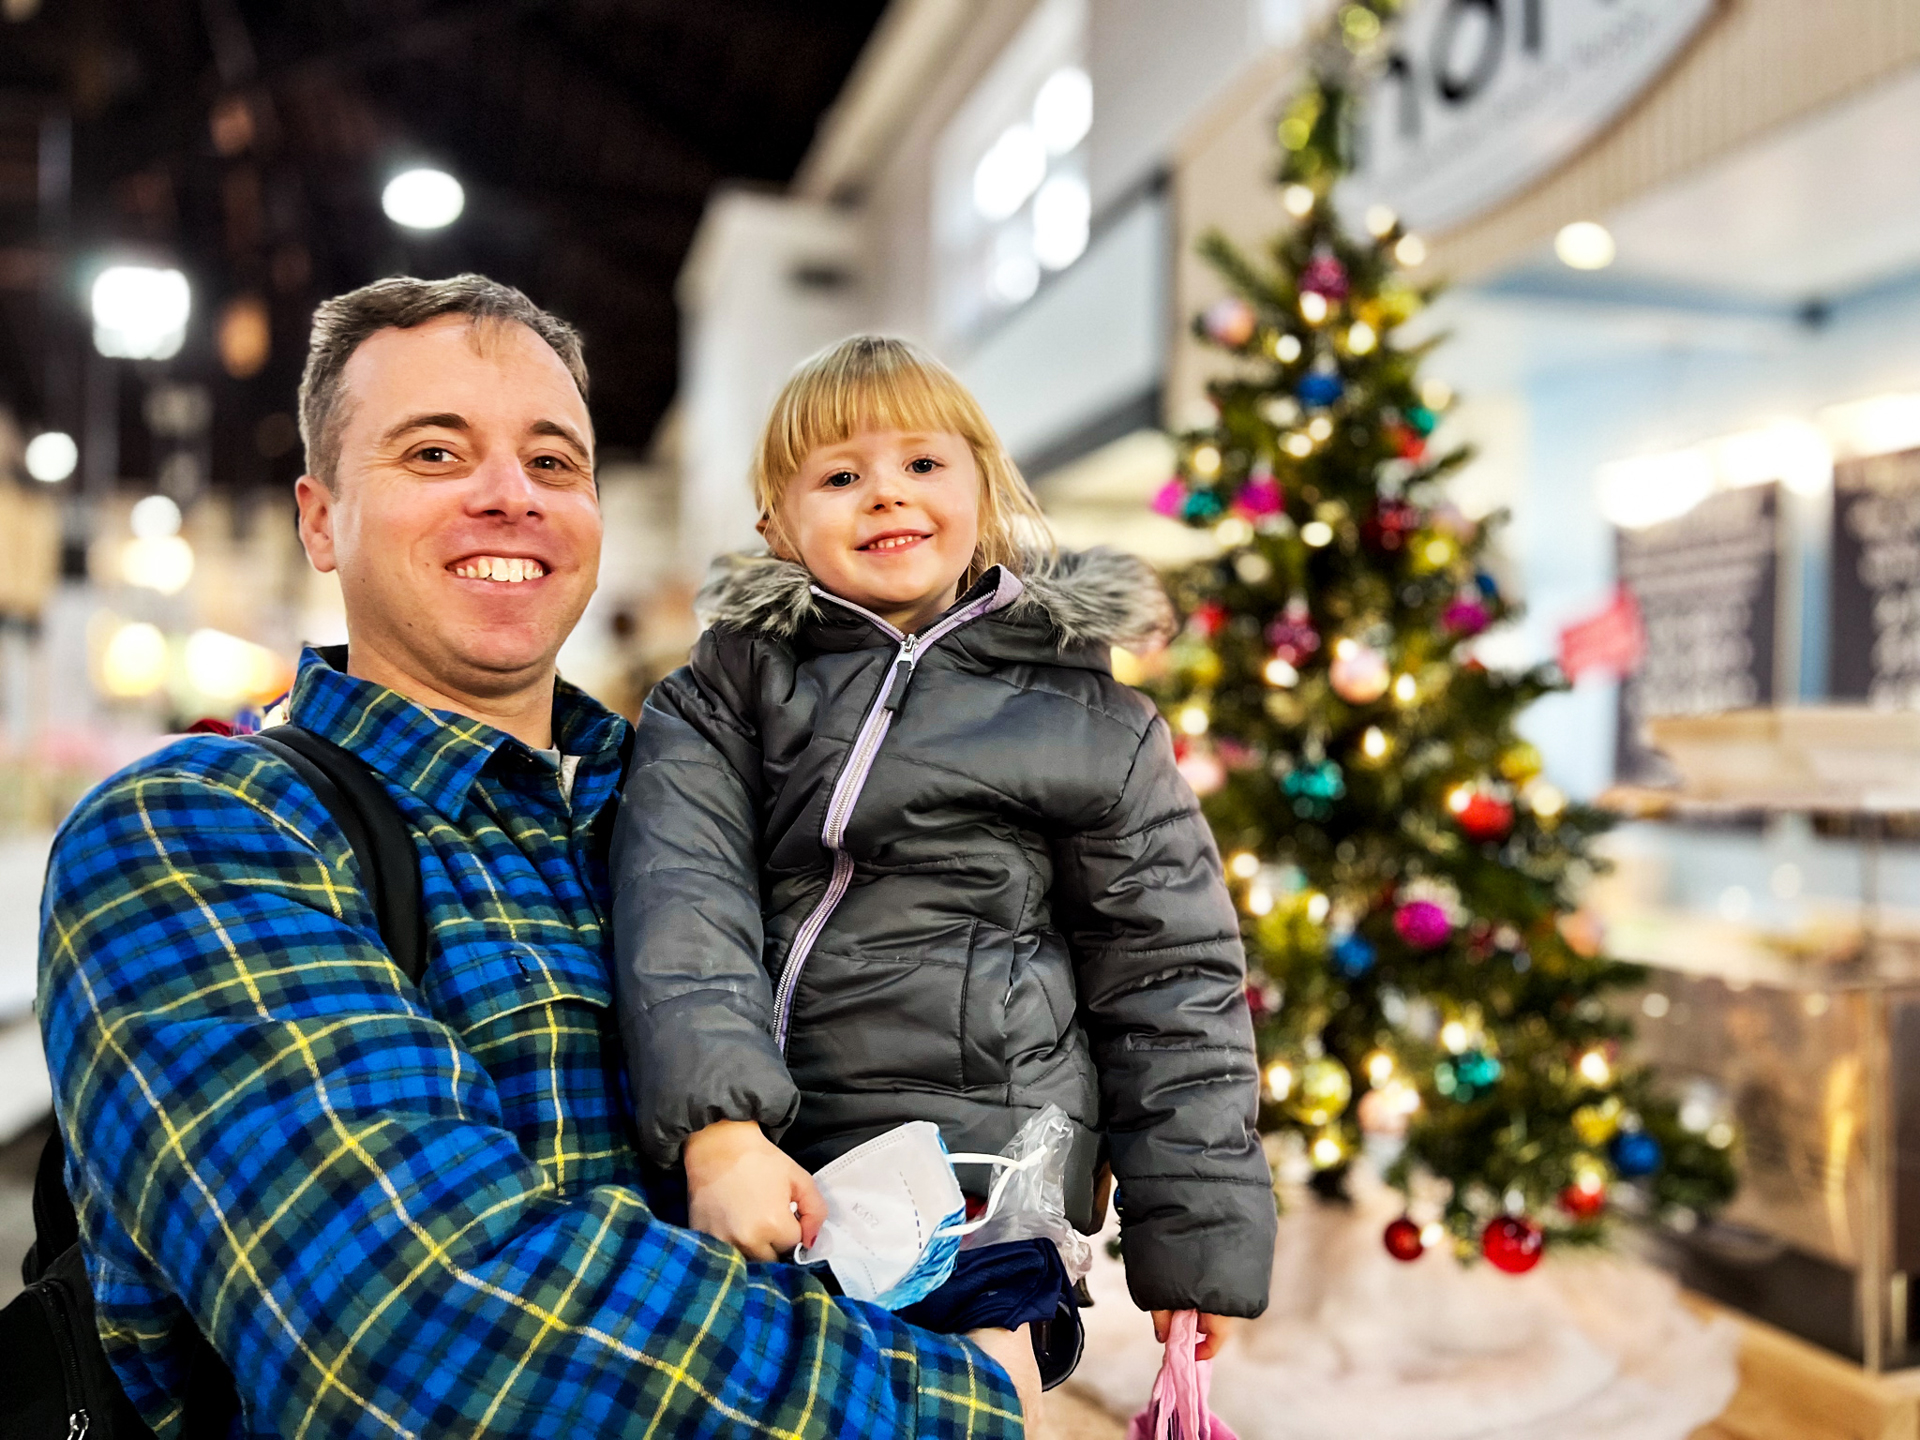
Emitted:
<point x="1611" y="639"/>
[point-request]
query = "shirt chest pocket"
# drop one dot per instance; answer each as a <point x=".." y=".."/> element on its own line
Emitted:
<point x="476" y="986"/>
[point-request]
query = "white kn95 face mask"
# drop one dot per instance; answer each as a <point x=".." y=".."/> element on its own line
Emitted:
<point x="895" y="1215"/>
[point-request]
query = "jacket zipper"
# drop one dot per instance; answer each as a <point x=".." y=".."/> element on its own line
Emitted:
<point x="78" y="1420"/>
<point x="853" y="779"/>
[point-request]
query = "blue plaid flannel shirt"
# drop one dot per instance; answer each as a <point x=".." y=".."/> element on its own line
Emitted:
<point x="397" y="1211"/>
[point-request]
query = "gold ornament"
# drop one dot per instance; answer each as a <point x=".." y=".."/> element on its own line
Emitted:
<point x="1520" y="762"/>
<point x="1321" y="1093"/>
<point x="1597" y="1124"/>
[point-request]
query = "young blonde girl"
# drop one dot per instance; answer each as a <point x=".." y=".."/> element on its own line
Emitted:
<point x="896" y="846"/>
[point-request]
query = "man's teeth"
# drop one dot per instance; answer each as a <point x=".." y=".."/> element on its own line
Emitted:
<point x="508" y="569"/>
<point x="893" y="542"/>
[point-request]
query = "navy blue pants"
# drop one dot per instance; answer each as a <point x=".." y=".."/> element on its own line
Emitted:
<point x="1004" y="1287"/>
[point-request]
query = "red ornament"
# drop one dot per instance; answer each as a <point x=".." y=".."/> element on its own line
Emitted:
<point x="1402" y="1239"/>
<point x="1409" y="444"/>
<point x="1207" y="619"/>
<point x="1486" y="817"/>
<point x="1389" y="525"/>
<point x="1324" y="275"/>
<point x="1582" y="1203"/>
<point x="1512" y="1243"/>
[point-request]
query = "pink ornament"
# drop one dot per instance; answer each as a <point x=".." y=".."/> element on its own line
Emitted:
<point x="1229" y="322"/>
<point x="1422" y="924"/>
<point x="1292" y="636"/>
<point x="1324" y="275"/>
<point x="1203" y="771"/>
<point x="1169" y="499"/>
<point x="1260" y="497"/>
<point x="1360" y="675"/>
<point x="1465" y="617"/>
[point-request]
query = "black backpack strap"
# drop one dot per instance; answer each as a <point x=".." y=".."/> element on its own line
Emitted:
<point x="361" y="806"/>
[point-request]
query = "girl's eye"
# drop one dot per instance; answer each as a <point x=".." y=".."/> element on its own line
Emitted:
<point x="840" y="479"/>
<point x="925" y="465"/>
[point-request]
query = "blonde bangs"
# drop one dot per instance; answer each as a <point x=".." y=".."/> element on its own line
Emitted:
<point x="874" y="382"/>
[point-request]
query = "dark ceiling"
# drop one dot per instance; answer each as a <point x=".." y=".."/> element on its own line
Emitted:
<point x="248" y="143"/>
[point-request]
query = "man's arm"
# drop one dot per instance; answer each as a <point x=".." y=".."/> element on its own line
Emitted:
<point x="266" y="1122"/>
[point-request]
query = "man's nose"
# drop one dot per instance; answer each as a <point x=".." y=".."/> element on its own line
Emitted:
<point x="501" y="486"/>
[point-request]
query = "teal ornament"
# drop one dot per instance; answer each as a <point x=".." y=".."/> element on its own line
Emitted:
<point x="1422" y="419"/>
<point x="1315" y="782"/>
<point x="1467" y="1076"/>
<point x="1202" y="505"/>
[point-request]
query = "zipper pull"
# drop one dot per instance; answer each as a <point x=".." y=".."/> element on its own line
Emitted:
<point x="903" y="672"/>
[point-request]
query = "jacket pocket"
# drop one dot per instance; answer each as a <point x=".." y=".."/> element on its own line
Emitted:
<point x="984" y="1030"/>
<point x="865" y="1021"/>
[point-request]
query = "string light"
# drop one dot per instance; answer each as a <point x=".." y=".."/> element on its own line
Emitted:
<point x="1432" y="1233"/>
<point x="1285" y="348"/>
<point x="1381" y="220"/>
<point x="1317" y="907"/>
<point x="1437" y="394"/>
<point x="1279" y="1080"/>
<point x="1544" y="800"/>
<point x="1233" y="531"/>
<point x="1459" y="798"/>
<point x="1194" y="720"/>
<point x="1373" y="744"/>
<point x="1317" y="533"/>
<point x="1406" y="689"/>
<point x="1259" y="900"/>
<point x="1361" y="338"/>
<point x="1299" y="445"/>
<point x="1280" y="674"/>
<point x="1454" y="1036"/>
<point x="1327" y="1152"/>
<point x="1299" y="201"/>
<point x="1411" y="251"/>
<point x="1206" y="461"/>
<point x="1379" y="1067"/>
<point x="1245" y="864"/>
<point x="1595" y="1070"/>
<point x="1320" y="428"/>
<point x="1313" y="307"/>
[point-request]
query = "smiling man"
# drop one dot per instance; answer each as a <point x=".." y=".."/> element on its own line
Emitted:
<point x="396" y="1209"/>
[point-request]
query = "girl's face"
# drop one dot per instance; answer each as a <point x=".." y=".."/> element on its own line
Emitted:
<point x="887" y="519"/>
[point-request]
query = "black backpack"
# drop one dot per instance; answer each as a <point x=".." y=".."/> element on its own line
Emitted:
<point x="55" y="1382"/>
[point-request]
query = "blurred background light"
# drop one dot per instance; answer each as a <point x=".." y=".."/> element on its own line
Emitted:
<point x="140" y="312"/>
<point x="1063" y="110"/>
<point x="1584" y="245"/>
<point x="1651" y="488"/>
<point x="155" y="516"/>
<point x="52" y="456"/>
<point x="157" y="562"/>
<point x="223" y="667"/>
<point x="423" y="199"/>
<point x="1061" y="215"/>
<point x="1881" y="425"/>
<point x="1790" y="451"/>
<point x="1009" y="172"/>
<point x="135" y="661"/>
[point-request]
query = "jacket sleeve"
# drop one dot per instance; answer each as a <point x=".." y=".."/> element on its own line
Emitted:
<point x="1163" y="996"/>
<point x="271" y="1139"/>
<point x="696" y="1003"/>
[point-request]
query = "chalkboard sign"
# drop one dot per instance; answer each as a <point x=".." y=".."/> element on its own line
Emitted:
<point x="1707" y="585"/>
<point x="1876" y="581"/>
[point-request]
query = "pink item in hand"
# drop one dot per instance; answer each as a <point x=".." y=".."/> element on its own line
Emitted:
<point x="1177" y="1409"/>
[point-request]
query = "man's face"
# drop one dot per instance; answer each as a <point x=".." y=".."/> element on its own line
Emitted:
<point x="462" y="516"/>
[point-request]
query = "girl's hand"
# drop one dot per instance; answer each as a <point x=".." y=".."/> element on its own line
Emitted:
<point x="745" y="1190"/>
<point x="1214" y="1330"/>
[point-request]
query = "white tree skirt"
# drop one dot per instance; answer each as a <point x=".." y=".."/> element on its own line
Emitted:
<point x="1359" y="1346"/>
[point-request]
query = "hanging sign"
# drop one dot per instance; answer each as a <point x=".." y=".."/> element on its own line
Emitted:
<point x="1875" y="654"/>
<point x="1481" y="97"/>
<point x="1707" y="586"/>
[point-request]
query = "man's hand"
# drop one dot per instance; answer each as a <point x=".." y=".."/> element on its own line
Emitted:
<point x="742" y="1188"/>
<point x="1214" y="1330"/>
<point x="1012" y="1351"/>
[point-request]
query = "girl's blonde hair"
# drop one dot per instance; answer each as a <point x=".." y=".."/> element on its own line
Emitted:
<point x="875" y="382"/>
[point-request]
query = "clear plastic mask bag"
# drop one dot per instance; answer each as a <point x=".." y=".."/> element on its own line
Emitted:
<point x="1031" y="1194"/>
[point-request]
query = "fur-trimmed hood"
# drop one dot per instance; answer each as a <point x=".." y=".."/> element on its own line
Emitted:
<point x="1099" y="596"/>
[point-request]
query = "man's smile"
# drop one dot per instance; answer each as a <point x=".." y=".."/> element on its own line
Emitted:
<point x="501" y="569"/>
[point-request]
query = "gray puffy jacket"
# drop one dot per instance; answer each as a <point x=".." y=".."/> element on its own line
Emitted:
<point x="953" y="876"/>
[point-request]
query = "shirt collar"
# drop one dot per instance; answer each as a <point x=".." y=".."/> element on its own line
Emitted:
<point x="434" y="753"/>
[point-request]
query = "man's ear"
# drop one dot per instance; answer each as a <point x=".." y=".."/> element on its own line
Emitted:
<point x="315" y="501"/>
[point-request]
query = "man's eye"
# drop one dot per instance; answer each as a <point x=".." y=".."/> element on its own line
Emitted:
<point x="925" y="465"/>
<point x="840" y="479"/>
<point x="549" y="462"/>
<point x="433" y="454"/>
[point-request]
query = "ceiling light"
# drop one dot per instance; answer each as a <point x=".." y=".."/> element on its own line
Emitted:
<point x="1790" y="451"/>
<point x="1584" y="245"/>
<point x="1061" y="214"/>
<point x="140" y="313"/>
<point x="1063" y="110"/>
<point x="1009" y="172"/>
<point x="135" y="661"/>
<point x="423" y="199"/>
<point x="157" y="562"/>
<point x="1015" y="278"/>
<point x="52" y="457"/>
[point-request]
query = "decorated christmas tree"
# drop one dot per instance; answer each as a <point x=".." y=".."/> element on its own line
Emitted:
<point x="1425" y="990"/>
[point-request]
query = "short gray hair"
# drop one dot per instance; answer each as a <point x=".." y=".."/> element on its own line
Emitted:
<point x="400" y="302"/>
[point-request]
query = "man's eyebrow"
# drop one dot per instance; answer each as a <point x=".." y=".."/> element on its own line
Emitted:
<point x="446" y="420"/>
<point x="561" y="432"/>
